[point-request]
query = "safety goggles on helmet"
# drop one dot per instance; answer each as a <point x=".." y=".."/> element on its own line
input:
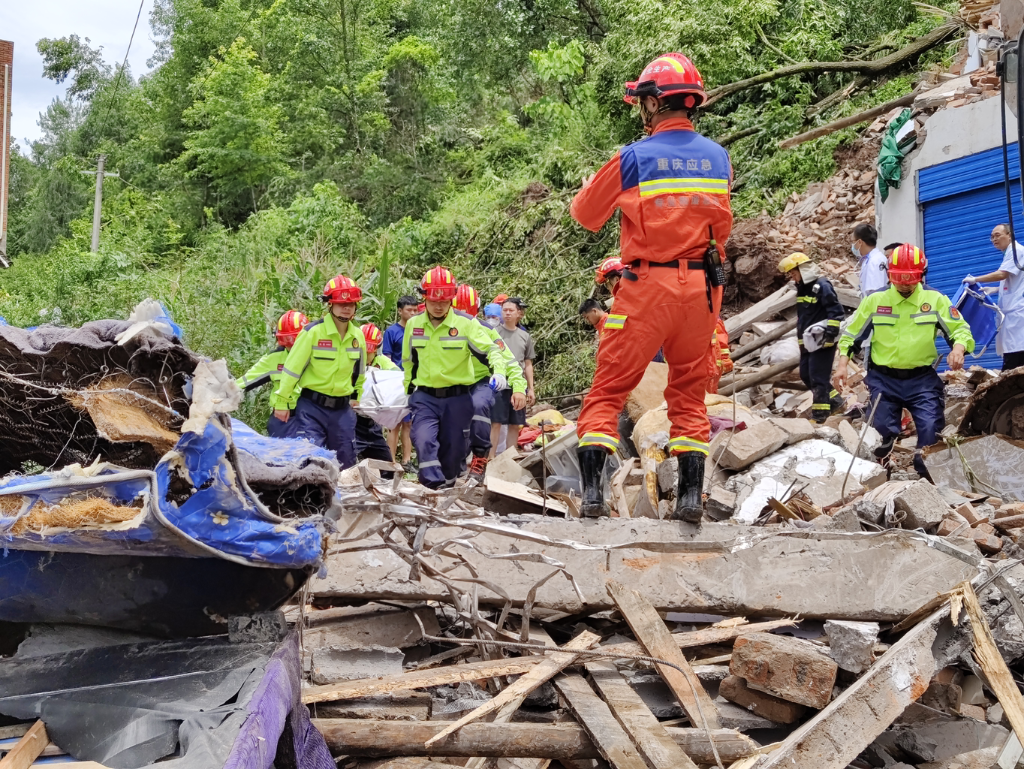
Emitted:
<point x="670" y="74"/>
<point x="341" y="290"/>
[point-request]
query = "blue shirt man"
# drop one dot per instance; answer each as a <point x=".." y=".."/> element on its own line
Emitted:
<point x="392" y="346"/>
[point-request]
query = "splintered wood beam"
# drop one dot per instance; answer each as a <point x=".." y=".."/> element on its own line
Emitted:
<point x="650" y="630"/>
<point x="28" y="748"/>
<point x="611" y="740"/>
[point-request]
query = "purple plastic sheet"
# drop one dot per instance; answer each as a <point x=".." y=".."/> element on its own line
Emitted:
<point x="277" y="699"/>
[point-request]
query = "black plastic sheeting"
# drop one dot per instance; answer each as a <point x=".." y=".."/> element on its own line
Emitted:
<point x="129" y="706"/>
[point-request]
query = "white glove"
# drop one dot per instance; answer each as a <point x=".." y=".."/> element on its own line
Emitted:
<point x="498" y="382"/>
<point x="971" y="280"/>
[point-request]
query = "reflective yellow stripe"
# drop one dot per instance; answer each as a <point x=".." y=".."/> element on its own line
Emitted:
<point x="615" y="321"/>
<point x="821" y="407"/>
<point x="807" y="299"/>
<point x="599" y="439"/>
<point x="681" y="444"/>
<point x="833" y="323"/>
<point x="670" y="186"/>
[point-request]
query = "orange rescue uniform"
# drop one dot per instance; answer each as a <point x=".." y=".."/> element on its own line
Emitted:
<point x="670" y="187"/>
<point x="719" y="362"/>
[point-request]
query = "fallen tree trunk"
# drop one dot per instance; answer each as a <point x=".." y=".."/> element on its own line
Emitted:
<point x="846" y="122"/>
<point x="759" y="377"/>
<point x="874" y="67"/>
<point x="372" y="738"/>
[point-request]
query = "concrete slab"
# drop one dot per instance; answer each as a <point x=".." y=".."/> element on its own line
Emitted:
<point x="855" y="576"/>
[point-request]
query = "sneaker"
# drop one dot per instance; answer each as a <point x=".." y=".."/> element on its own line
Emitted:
<point x="477" y="468"/>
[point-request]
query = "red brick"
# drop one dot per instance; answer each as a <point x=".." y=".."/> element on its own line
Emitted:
<point x="973" y="711"/>
<point x="735" y="689"/>
<point x="967" y="511"/>
<point x="790" y="668"/>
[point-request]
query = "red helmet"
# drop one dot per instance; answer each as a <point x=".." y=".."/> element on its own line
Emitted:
<point x="373" y="336"/>
<point x="907" y="265"/>
<point x="288" y="327"/>
<point x="341" y="290"/>
<point x="467" y="300"/>
<point x="611" y="267"/>
<point x="439" y="285"/>
<point x="668" y="75"/>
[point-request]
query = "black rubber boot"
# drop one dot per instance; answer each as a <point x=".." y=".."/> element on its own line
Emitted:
<point x="690" y="488"/>
<point x="592" y="469"/>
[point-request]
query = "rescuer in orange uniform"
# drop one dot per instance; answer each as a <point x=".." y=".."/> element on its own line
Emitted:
<point x="673" y="190"/>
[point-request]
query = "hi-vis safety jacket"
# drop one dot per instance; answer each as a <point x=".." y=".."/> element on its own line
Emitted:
<point x="670" y="187"/>
<point x="268" y="369"/>
<point x="817" y="302"/>
<point x="513" y="371"/>
<point x="323" y="361"/>
<point x="442" y="355"/>
<point x="904" y="330"/>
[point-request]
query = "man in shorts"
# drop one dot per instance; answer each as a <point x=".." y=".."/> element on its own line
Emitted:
<point x="520" y="343"/>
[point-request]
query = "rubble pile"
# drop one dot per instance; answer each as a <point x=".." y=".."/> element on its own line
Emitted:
<point x="445" y="632"/>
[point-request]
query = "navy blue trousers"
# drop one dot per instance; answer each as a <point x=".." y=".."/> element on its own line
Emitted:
<point x="278" y="429"/>
<point x="923" y="396"/>
<point x="480" y="427"/>
<point x="371" y="444"/>
<point x="439" y="428"/>
<point x="332" y="429"/>
<point x="816" y="373"/>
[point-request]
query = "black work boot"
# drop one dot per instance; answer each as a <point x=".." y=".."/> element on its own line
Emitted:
<point x="690" y="488"/>
<point x="592" y="469"/>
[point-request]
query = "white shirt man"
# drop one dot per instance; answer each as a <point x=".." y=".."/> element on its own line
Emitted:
<point x="1010" y="338"/>
<point x="874" y="274"/>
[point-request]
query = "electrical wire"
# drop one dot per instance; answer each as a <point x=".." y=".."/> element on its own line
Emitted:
<point x="124" y="63"/>
<point x="1006" y="161"/>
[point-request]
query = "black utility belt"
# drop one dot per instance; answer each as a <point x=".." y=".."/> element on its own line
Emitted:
<point x="445" y="392"/>
<point x="901" y="373"/>
<point x="630" y="274"/>
<point x="327" y="401"/>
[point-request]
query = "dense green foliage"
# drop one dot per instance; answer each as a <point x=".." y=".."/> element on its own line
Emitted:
<point x="278" y="142"/>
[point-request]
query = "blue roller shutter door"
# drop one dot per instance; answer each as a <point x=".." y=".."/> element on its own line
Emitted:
<point x="962" y="201"/>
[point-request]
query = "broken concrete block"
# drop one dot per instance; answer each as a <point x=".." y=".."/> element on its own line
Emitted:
<point x="829" y="434"/>
<point x="338" y="663"/>
<point x="944" y="697"/>
<point x="796" y="429"/>
<point x="942" y="740"/>
<point x="923" y="504"/>
<point x="401" y="706"/>
<point x="668" y="475"/>
<point x="735" y="689"/>
<point x="790" y="668"/>
<point x="731" y="716"/>
<point x="505" y="467"/>
<point x="650" y="393"/>
<point x="845" y="519"/>
<point x="972" y="711"/>
<point x="973" y="691"/>
<point x="989" y="544"/>
<point x="865" y="510"/>
<point x="721" y="503"/>
<point x="850" y="437"/>
<point x="748" y="446"/>
<point x="851" y="644"/>
<point x="370" y="624"/>
<point x="996" y="715"/>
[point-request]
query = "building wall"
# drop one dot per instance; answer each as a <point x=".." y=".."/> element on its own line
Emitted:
<point x="951" y="134"/>
<point x="6" y="58"/>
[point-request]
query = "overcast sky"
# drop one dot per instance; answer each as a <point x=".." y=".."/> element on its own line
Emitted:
<point x="106" y="23"/>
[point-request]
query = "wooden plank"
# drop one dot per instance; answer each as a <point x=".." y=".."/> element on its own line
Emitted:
<point x="31" y="744"/>
<point x="15" y="730"/>
<point x="649" y="629"/>
<point x="362" y="737"/>
<point x="773" y="304"/>
<point x="1000" y="681"/>
<point x="597" y="719"/>
<point x="650" y="737"/>
<point x="616" y="483"/>
<point x="508" y="700"/>
<point x="705" y="637"/>
<point x="837" y="734"/>
<point x="520" y="493"/>
<point x="418" y="679"/>
<point x="367" y="738"/>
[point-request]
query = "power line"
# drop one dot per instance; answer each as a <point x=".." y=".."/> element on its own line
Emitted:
<point x="124" y="63"/>
<point x="240" y="30"/>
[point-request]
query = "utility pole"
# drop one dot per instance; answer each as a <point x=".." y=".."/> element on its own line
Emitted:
<point x="97" y="208"/>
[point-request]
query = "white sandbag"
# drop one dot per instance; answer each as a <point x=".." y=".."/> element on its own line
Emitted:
<point x="780" y="351"/>
<point x="383" y="398"/>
